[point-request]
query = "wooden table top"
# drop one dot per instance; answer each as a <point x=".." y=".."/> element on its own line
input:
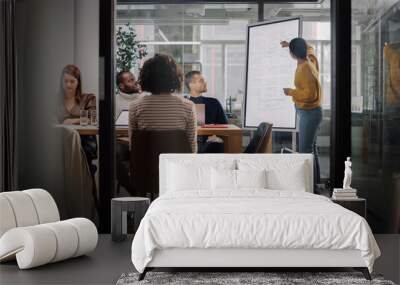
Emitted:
<point x="123" y="130"/>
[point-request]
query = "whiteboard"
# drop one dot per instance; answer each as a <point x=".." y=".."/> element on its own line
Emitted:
<point x="269" y="69"/>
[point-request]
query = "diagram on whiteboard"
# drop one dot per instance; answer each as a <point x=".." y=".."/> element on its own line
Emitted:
<point x="270" y="68"/>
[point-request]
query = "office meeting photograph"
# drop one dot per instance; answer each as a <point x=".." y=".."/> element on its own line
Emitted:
<point x="175" y="142"/>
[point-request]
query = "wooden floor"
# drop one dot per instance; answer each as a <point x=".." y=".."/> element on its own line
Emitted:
<point x="110" y="260"/>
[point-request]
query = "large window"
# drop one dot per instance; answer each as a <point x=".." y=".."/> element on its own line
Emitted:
<point x="207" y="37"/>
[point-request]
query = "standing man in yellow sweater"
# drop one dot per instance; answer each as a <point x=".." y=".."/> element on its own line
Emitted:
<point x="307" y="97"/>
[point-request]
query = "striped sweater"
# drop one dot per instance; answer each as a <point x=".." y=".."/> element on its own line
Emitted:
<point x="164" y="112"/>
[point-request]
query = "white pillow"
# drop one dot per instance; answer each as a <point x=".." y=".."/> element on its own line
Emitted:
<point x="291" y="178"/>
<point x="285" y="172"/>
<point x="251" y="178"/>
<point x="183" y="177"/>
<point x="194" y="174"/>
<point x="223" y="179"/>
<point x="227" y="179"/>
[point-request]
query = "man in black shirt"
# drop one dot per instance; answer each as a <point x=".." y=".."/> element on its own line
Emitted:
<point x="214" y="113"/>
<point x="196" y="85"/>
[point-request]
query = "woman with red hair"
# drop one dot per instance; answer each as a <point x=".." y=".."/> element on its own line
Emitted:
<point x="72" y="101"/>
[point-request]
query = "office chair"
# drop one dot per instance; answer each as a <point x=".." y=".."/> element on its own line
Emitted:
<point x="122" y="166"/>
<point x="260" y="143"/>
<point x="144" y="158"/>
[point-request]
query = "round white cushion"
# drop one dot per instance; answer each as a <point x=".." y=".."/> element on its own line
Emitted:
<point x="33" y="246"/>
<point x="67" y="240"/>
<point x="23" y="208"/>
<point x="7" y="218"/>
<point x="87" y="233"/>
<point x="26" y="208"/>
<point x="45" y="205"/>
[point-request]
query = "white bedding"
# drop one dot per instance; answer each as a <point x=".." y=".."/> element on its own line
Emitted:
<point x="252" y="218"/>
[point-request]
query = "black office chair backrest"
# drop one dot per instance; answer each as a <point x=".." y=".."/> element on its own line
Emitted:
<point x="146" y="147"/>
<point x="259" y="142"/>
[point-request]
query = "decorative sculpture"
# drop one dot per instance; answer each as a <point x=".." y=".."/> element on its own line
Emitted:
<point x="348" y="173"/>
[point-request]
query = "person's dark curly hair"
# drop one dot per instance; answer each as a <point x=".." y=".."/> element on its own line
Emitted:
<point x="160" y="74"/>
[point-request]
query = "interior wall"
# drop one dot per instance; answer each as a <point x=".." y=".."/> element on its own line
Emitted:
<point x="44" y="45"/>
<point x="86" y="43"/>
<point x="50" y="35"/>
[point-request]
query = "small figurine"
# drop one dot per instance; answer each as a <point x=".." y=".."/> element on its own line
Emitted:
<point x="348" y="173"/>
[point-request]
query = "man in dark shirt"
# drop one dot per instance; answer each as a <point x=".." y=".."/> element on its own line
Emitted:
<point x="196" y="85"/>
<point x="214" y="113"/>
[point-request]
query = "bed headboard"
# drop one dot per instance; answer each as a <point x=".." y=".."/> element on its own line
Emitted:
<point x="210" y="159"/>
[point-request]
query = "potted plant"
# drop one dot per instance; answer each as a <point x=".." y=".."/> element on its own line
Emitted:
<point x="129" y="49"/>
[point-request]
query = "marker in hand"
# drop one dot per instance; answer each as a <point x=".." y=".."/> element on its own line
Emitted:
<point x="286" y="91"/>
<point x="284" y="44"/>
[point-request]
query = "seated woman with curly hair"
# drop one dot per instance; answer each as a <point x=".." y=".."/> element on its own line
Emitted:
<point x="162" y="110"/>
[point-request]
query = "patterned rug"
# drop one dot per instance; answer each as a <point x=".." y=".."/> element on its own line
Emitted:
<point x="243" y="278"/>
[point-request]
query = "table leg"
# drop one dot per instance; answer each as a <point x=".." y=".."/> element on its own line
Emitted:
<point x="269" y="145"/>
<point x="294" y="141"/>
<point x="233" y="144"/>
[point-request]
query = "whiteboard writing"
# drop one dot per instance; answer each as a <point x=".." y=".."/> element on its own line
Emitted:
<point x="270" y="68"/>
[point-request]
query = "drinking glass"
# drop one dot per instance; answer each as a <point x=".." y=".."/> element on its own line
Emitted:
<point x="93" y="118"/>
<point x="84" y="118"/>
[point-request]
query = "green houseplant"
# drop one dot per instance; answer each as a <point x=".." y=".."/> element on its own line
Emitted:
<point x="129" y="49"/>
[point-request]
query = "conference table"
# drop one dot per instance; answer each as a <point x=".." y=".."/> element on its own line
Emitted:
<point x="231" y="134"/>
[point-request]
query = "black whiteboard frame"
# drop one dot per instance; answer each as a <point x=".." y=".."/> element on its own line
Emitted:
<point x="247" y="68"/>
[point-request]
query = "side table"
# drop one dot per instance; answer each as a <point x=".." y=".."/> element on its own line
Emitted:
<point x="357" y="205"/>
<point x="120" y="209"/>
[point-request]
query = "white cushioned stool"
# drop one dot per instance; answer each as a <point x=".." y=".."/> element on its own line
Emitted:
<point x="31" y="230"/>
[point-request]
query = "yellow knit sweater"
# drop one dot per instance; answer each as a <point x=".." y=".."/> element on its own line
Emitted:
<point x="308" y="91"/>
<point x="393" y="89"/>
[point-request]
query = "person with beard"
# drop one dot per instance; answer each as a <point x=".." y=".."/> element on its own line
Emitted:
<point x="214" y="113"/>
<point x="129" y="91"/>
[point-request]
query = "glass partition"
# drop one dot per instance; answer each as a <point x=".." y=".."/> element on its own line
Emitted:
<point x="375" y="120"/>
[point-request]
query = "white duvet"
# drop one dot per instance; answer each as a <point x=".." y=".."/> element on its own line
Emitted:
<point x="250" y="219"/>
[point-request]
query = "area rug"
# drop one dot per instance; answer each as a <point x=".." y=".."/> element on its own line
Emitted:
<point x="244" y="278"/>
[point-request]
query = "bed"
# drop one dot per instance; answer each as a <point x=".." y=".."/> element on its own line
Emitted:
<point x="247" y="211"/>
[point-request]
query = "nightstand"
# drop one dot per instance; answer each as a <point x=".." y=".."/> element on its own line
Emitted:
<point x="121" y="209"/>
<point x="357" y="205"/>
